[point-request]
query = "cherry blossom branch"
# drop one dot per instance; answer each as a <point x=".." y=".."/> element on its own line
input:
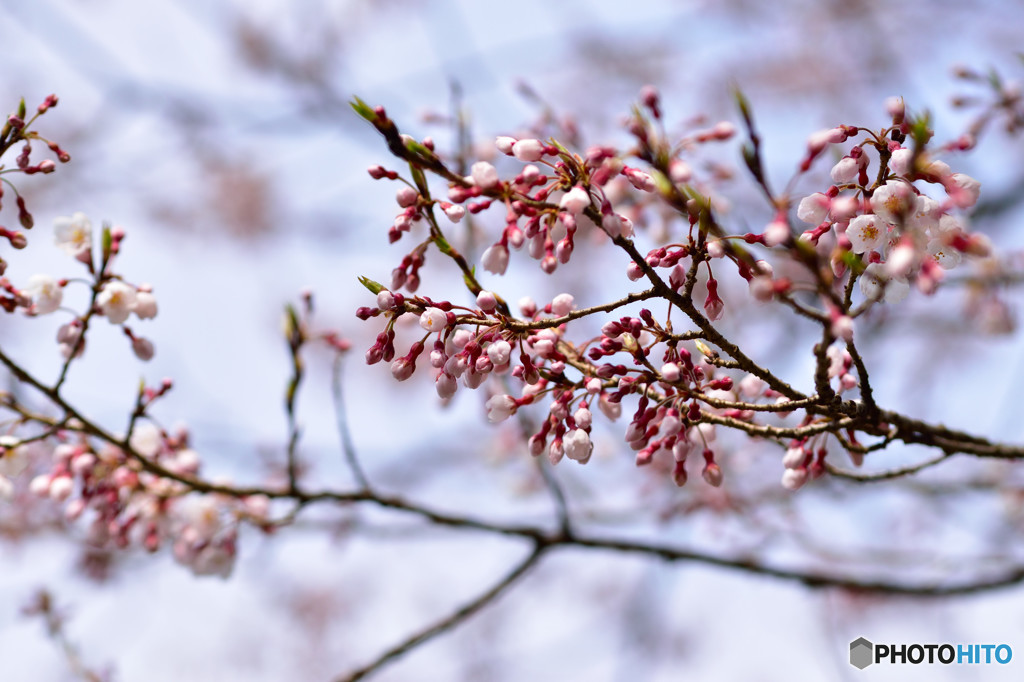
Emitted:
<point x="42" y="605"/>
<point x="452" y="620"/>
<point x="296" y="337"/>
<point x="885" y="475"/>
<point x="341" y="420"/>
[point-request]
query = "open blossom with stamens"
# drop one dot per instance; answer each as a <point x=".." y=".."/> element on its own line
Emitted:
<point x="46" y="293"/>
<point x="866" y="233"/>
<point x="433" y="319"/>
<point x="74" y="234"/>
<point x="925" y="216"/>
<point x="116" y="301"/>
<point x="946" y="256"/>
<point x="892" y="201"/>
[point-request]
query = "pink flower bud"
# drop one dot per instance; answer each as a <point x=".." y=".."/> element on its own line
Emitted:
<point x="499" y="352"/>
<point x="145" y="307"/>
<point x="794" y="479"/>
<point x="713" y="305"/>
<point x="562" y="304"/>
<point x="670" y="372"/>
<point x="612" y="224"/>
<point x="723" y="130"/>
<point x="486" y="301"/>
<point x="899" y="161"/>
<point x="528" y="150"/>
<point x="575" y="200"/>
<point x="817" y="141"/>
<point x="495" y="259"/>
<point x="453" y="212"/>
<point x="484" y="175"/>
<point x="845" y="171"/>
<point x="406" y="196"/>
<point x="813" y="209"/>
<point x="712" y="474"/>
<point x="40" y="485"/>
<point x="842" y="327"/>
<point x="402" y="368"/>
<point x="143" y="348"/>
<point x="445" y="385"/>
<point x="896" y="108"/>
<point x="679" y="172"/>
<point x="61" y="488"/>
<point x="776" y="233"/>
<point x="17" y="239"/>
<point x="504" y="144"/>
<point x="639" y="179"/>
<point x="578" y="446"/>
<point x="583" y="418"/>
<point x="679" y="473"/>
<point x="385" y="300"/>
<point x="500" y="408"/>
<point x="966" y="191"/>
<point x="795" y="457"/>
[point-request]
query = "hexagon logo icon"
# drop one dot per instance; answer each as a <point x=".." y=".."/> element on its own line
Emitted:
<point x="861" y="653"/>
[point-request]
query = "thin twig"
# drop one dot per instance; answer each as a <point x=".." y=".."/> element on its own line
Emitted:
<point x="451" y="620"/>
<point x="884" y="475"/>
<point x="348" y="447"/>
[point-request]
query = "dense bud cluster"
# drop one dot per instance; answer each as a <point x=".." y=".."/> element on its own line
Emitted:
<point x="894" y="218"/>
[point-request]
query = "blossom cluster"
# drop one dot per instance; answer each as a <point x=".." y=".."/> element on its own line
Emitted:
<point x="127" y="504"/>
<point x="135" y="490"/>
<point x="900" y="232"/>
<point x="112" y="298"/>
<point x="878" y="225"/>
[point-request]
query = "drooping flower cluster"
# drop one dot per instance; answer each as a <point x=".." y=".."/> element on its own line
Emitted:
<point x="129" y="505"/>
